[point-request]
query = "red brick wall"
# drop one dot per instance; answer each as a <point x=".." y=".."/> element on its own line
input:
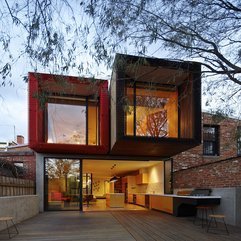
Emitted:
<point x="192" y="169"/>
<point x="214" y="175"/>
<point x="27" y="157"/>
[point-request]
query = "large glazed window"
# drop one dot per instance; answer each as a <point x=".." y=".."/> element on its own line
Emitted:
<point x="151" y="112"/>
<point x="210" y="140"/>
<point x="72" y="122"/>
<point x="62" y="184"/>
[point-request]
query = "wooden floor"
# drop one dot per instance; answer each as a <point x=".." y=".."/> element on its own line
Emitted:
<point x="153" y="225"/>
<point x="117" y="226"/>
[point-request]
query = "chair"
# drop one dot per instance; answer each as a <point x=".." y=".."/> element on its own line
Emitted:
<point x="203" y="210"/>
<point x="213" y="217"/>
<point x="87" y="198"/>
<point x="6" y="220"/>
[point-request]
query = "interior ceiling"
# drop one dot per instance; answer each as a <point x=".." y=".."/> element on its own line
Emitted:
<point x="158" y="74"/>
<point x="103" y="168"/>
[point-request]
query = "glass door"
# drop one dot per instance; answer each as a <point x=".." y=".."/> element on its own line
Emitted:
<point x="62" y="184"/>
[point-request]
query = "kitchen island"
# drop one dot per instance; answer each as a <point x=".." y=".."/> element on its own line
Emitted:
<point x="115" y="200"/>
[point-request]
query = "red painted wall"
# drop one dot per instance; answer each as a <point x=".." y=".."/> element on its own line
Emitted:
<point x="38" y="84"/>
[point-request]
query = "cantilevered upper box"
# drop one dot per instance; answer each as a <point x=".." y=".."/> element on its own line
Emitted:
<point x="68" y="114"/>
<point x="155" y="106"/>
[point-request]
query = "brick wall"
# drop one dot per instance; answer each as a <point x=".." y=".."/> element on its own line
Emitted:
<point x="26" y="156"/>
<point x="194" y="170"/>
<point x="225" y="173"/>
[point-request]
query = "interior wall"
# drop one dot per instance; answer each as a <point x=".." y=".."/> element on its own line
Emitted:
<point x="156" y="179"/>
<point x="98" y="187"/>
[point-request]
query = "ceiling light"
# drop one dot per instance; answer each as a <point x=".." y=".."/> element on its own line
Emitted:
<point x="114" y="179"/>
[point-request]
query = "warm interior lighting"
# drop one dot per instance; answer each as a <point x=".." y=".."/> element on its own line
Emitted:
<point x="155" y="113"/>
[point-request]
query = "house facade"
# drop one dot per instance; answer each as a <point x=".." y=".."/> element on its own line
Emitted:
<point x="87" y="134"/>
<point x="215" y="164"/>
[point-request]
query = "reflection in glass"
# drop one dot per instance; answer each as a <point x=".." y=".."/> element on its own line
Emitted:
<point x="66" y="123"/>
<point x="151" y="117"/>
<point x="63" y="183"/>
<point x="151" y="112"/>
<point x="69" y="120"/>
<point x="210" y="140"/>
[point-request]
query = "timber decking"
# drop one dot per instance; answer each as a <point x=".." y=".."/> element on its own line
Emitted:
<point x="153" y="225"/>
<point x="132" y="225"/>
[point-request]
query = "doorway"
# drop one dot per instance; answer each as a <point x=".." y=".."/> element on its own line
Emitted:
<point x="63" y="184"/>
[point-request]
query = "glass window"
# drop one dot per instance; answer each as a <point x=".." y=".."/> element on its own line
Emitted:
<point x="68" y="121"/>
<point x="150" y="112"/>
<point x="87" y="183"/>
<point x="62" y="183"/>
<point x="210" y="140"/>
<point x="93" y="128"/>
<point x="239" y="140"/>
<point x="66" y="124"/>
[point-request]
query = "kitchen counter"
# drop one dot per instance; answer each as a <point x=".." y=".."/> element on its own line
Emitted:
<point x="180" y="196"/>
<point x="177" y="205"/>
<point x="115" y="200"/>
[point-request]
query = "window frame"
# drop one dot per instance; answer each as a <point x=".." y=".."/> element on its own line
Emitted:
<point x="238" y="140"/>
<point x="78" y="101"/>
<point x="138" y="85"/>
<point x="216" y="141"/>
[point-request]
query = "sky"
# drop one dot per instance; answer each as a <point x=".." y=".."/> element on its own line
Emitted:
<point x="14" y="102"/>
<point x="14" y="99"/>
<point x="13" y="107"/>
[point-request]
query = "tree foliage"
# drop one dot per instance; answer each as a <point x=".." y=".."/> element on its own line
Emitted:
<point x="203" y="30"/>
<point x="57" y="32"/>
<point x="44" y="33"/>
<point x="8" y="168"/>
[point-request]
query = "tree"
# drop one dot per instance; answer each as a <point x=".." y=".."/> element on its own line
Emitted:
<point x="203" y="30"/>
<point x="43" y="32"/>
<point x="8" y="168"/>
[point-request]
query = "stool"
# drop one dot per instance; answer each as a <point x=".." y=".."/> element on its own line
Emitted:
<point x="6" y="220"/>
<point x="203" y="210"/>
<point x="213" y="217"/>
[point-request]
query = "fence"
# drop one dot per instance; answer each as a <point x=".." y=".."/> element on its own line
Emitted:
<point x="16" y="187"/>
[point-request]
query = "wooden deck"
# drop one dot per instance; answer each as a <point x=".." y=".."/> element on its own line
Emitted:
<point x="117" y="226"/>
<point x="153" y="225"/>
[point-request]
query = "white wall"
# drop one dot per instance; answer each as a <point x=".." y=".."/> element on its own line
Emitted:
<point x="18" y="207"/>
<point x="155" y="181"/>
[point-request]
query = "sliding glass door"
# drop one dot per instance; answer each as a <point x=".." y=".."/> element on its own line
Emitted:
<point x="63" y="184"/>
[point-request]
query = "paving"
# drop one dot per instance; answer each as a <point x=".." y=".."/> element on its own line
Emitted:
<point x="117" y="226"/>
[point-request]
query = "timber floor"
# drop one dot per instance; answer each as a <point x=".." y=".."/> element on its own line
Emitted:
<point x="117" y="226"/>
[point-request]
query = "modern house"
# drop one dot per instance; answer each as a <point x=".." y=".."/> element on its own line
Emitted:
<point x="87" y="136"/>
